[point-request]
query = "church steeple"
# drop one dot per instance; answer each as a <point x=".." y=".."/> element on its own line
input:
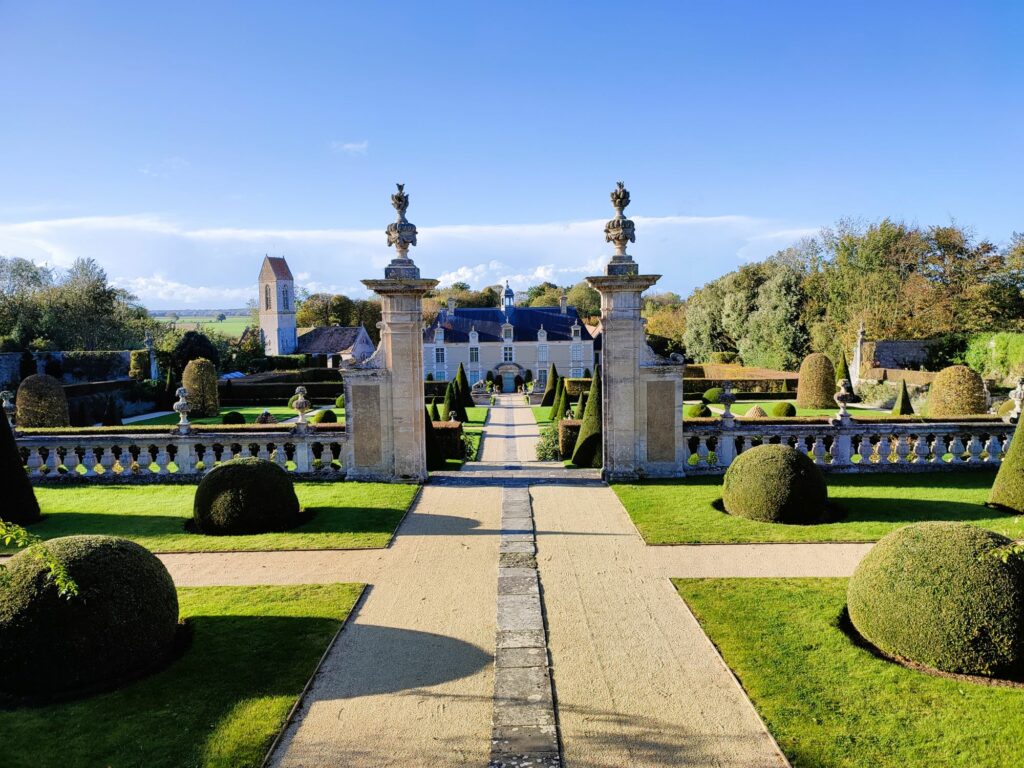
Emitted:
<point x="277" y="307"/>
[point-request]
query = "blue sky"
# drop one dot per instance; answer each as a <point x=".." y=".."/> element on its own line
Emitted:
<point x="177" y="143"/>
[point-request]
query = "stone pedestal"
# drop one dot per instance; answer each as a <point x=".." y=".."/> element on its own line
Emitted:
<point x="401" y="353"/>
<point x="623" y="343"/>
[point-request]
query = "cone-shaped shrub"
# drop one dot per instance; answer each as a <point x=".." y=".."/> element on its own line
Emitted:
<point x="41" y="402"/>
<point x="757" y="412"/>
<point x="843" y="371"/>
<point x="581" y="406"/>
<point x="817" y="385"/>
<point x="451" y="404"/>
<point x="553" y="414"/>
<point x="200" y="379"/>
<point x="465" y="391"/>
<point x="19" y="505"/>
<point x="266" y="418"/>
<point x="1008" y="489"/>
<point x="956" y="391"/>
<point x="775" y="484"/>
<point x="435" y="414"/>
<point x="563" y="404"/>
<point x="902" y="406"/>
<point x="943" y="595"/>
<point x="549" y="387"/>
<point x="588" y="445"/>
<point x="435" y="459"/>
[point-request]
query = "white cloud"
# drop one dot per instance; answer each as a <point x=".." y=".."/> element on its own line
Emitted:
<point x="350" y="147"/>
<point x="168" y="166"/>
<point x="170" y="265"/>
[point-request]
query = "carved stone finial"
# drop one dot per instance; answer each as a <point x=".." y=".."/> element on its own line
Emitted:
<point x="842" y="397"/>
<point x="620" y="231"/>
<point x="1013" y="417"/>
<point x="401" y="234"/>
<point x="182" y="408"/>
<point x="301" y="404"/>
<point x="7" y="399"/>
<point x="727" y="398"/>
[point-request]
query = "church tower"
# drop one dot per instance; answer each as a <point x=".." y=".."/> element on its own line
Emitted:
<point x="277" y="307"/>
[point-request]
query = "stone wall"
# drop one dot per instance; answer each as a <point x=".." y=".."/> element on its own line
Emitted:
<point x="908" y="354"/>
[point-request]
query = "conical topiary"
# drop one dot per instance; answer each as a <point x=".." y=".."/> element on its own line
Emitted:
<point x="757" y="412"/>
<point x="565" y="404"/>
<point x="843" y="371"/>
<point x="903" y="406"/>
<point x="452" y="405"/>
<point x="549" y="387"/>
<point x="553" y="414"/>
<point x="434" y="413"/>
<point x="465" y="391"/>
<point x="588" y="444"/>
<point x="435" y="459"/>
<point x="20" y="506"/>
<point x="581" y="406"/>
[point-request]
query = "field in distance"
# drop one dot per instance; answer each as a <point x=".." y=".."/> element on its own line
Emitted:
<point x="231" y="326"/>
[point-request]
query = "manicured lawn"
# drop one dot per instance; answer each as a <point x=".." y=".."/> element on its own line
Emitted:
<point x="681" y="511"/>
<point x="347" y="516"/>
<point x="831" y="704"/>
<point x="279" y="412"/>
<point x="540" y="414"/>
<point x="218" y="706"/>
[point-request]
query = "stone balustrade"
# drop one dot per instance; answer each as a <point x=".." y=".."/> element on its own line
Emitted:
<point x="147" y="456"/>
<point x="850" y="445"/>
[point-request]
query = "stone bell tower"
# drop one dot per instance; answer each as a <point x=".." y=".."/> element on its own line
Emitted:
<point x="277" y="307"/>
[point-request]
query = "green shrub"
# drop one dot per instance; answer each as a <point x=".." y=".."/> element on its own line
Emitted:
<point x="956" y="391"/>
<point x="245" y="496"/>
<point x="549" y="387"/>
<point x="435" y="459"/>
<point x="783" y="410"/>
<point x="122" y="623"/>
<point x="528" y="378"/>
<point x="757" y="412"/>
<point x="19" y="505"/>
<point x="568" y="432"/>
<point x="697" y="411"/>
<point x="430" y="377"/>
<point x="817" y="385"/>
<point x="903" y="406"/>
<point x="326" y="416"/>
<point x="266" y="418"/>
<point x="41" y="402"/>
<point x="547" y="444"/>
<point x="452" y="406"/>
<point x="232" y="417"/>
<point x="939" y="594"/>
<point x="449" y="439"/>
<point x="462" y="388"/>
<point x="723" y="358"/>
<point x="775" y="484"/>
<point x="554" y="414"/>
<point x="200" y="379"/>
<point x="339" y="401"/>
<point x="564" y="403"/>
<point x="1008" y="488"/>
<point x="581" y="405"/>
<point x="435" y="414"/>
<point x="712" y="395"/>
<point x="138" y="364"/>
<point x="576" y="387"/>
<point x="1005" y="408"/>
<point x="588" y="451"/>
<point x="843" y="371"/>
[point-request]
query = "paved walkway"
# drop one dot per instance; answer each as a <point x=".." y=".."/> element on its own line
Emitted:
<point x="411" y="679"/>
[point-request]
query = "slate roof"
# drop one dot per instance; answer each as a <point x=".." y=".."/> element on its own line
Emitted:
<point x="526" y="321"/>
<point x="330" y="340"/>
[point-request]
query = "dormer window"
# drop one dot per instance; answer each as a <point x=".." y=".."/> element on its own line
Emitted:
<point x="542" y="335"/>
<point x="439" y="335"/>
<point x="506" y="333"/>
<point x="576" y="333"/>
<point x="474" y="338"/>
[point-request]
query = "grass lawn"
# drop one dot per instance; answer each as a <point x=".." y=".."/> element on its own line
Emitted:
<point x="280" y="412"/>
<point x="231" y="327"/>
<point x="473" y="429"/>
<point x="218" y="706"/>
<point x="540" y="414"/>
<point x="347" y="516"/>
<point x="681" y="511"/>
<point x="831" y="704"/>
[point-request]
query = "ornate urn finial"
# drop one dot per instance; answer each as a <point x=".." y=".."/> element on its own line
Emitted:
<point x="182" y="408"/>
<point x="7" y="399"/>
<point x="620" y="231"/>
<point x="401" y="234"/>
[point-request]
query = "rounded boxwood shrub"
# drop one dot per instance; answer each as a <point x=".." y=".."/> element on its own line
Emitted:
<point x="121" y="624"/>
<point x="200" y="379"/>
<point x="939" y="594"/>
<point x="783" y="410"/>
<point x="41" y="402"/>
<point x="817" y="385"/>
<point x="712" y="395"/>
<point x="324" y="417"/>
<point x="245" y="496"/>
<point x="697" y="411"/>
<point x="775" y="484"/>
<point x="232" y="417"/>
<point x="757" y="412"/>
<point x="339" y="401"/>
<point x="956" y="391"/>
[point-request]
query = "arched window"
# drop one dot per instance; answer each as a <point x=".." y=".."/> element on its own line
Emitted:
<point x="266" y="296"/>
<point x="284" y="298"/>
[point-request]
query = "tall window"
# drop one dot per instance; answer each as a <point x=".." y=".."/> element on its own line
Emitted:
<point x="474" y="354"/>
<point x="542" y="353"/>
<point x="542" y="379"/>
<point x="507" y="355"/>
<point x="266" y="296"/>
<point x="439" y="356"/>
<point x="577" y="353"/>
<point x="508" y="334"/>
<point x="284" y="297"/>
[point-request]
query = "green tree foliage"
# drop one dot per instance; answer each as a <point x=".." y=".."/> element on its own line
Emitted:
<point x="322" y="309"/>
<point x="586" y="300"/>
<point x="588" y="445"/>
<point x="20" y="505"/>
<point x="817" y="385"/>
<point x="902" y="407"/>
<point x="550" y="386"/>
<point x="192" y="346"/>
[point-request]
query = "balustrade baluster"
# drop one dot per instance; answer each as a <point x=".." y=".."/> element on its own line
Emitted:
<point x="162" y="460"/>
<point x="921" y="449"/>
<point x="957" y="449"/>
<point x="992" y="448"/>
<point x="884" y="449"/>
<point x="71" y="459"/>
<point x="974" y="449"/>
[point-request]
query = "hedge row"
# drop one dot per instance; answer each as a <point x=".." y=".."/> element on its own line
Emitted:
<point x="449" y="439"/>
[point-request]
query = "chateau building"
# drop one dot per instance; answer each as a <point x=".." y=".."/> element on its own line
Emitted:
<point x="508" y="341"/>
<point x="339" y="344"/>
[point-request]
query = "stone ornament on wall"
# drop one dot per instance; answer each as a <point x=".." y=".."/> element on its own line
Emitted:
<point x="401" y="234"/>
<point x="620" y="231"/>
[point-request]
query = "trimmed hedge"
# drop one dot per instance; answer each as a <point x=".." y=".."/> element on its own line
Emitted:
<point x="817" y="385"/>
<point x="138" y="364"/>
<point x="723" y="358"/>
<point x="940" y="594"/>
<point x="325" y="417"/>
<point x="246" y="496"/>
<point x="200" y="379"/>
<point x="588" y="451"/>
<point x="435" y="459"/>
<point x="463" y="389"/>
<point x="568" y="433"/>
<point x="97" y="366"/>
<point x="449" y="439"/>
<point x="712" y="395"/>
<point x="549" y="387"/>
<point x="783" y="410"/>
<point x="576" y="387"/>
<point x="339" y="401"/>
<point x="232" y="417"/>
<point x="697" y="411"/>
<point x="554" y="414"/>
<point x="957" y="390"/>
<point x="775" y="484"/>
<point x="40" y="402"/>
<point x="19" y="504"/>
<point x="122" y="623"/>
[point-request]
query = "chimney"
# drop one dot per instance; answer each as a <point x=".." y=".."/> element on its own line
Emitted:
<point x="563" y="304"/>
<point x="451" y="305"/>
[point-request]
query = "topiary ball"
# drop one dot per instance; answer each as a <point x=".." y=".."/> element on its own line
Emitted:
<point x="938" y="594"/>
<point x="697" y="411"/>
<point x="325" y="417"/>
<point x="713" y="395"/>
<point x="816" y="387"/>
<point x="956" y="391"/>
<point x="244" y="496"/>
<point x="783" y="410"/>
<point x="41" y="402"/>
<point x="121" y="624"/>
<point x="775" y="484"/>
<point x="757" y="412"/>
<point x="233" y="417"/>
